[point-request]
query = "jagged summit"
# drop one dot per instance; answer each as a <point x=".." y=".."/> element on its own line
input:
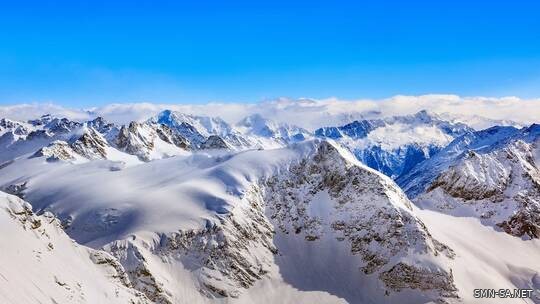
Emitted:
<point x="194" y="128"/>
<point x="150" y="141"/>
<point x="41" y="121"/>
<point x="104" y="127"/>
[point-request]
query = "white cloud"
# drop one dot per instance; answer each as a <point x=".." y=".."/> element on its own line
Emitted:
<point x="310" y="113"/>
<point x="25" y="111"/>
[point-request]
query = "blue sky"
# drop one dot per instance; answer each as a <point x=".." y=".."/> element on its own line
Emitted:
<point x="93" y="52"/>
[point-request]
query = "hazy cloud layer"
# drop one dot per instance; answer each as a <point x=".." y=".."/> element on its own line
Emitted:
<point x="480" y="112"/>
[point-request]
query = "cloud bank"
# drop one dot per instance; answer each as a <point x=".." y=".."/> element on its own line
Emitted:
<point x="480" y="112"/>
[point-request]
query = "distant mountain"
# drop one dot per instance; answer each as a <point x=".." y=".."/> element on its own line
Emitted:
<point x="251" y="132"/>
<point x="418" y="179"/>
<point x="150" y="141"/>
<point x="66" y="140"/>
<point x="258" y="126"/>
<point x="397" y="144"/>
<point x="197" y="129"/>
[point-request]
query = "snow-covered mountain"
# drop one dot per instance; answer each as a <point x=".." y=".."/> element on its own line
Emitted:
<point x="190" y="209"/>
<point x="20" y="138"/>
<point x="492" y="175"/>
<point x="168" y="134"/>
<point x="396" y="144"/>
<point x="251" y="132"/>
<point x="150" y="141"/>
<point x="65" y="140"/>
<point x="197" y="129"/>
<point x="218" y="226"/>
<point x="271" y="132"/>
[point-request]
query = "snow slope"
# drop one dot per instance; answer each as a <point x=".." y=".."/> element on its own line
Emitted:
<point x="40" y="263"/>
<point x="486" y="258"/>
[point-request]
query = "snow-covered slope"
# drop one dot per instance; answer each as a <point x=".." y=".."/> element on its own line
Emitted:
<point x="396" y="144"/>
<point x="486" y="258"/>
<point x="40" y="264"/>
<point x="216" y="226"/>
<point x="492" y="175"/>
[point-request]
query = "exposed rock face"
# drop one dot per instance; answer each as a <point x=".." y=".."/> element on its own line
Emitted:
<point x="90" y="145"/>
<point x="107" y="129"/>
<point x="199" y="129"/>
<point x="134" y="139"/>
<point x="195" y="129"/>
<point x="236" y="249"/>
<point x="43" y="120"/>
<point x="141" y="139"/>
<point x="403" y="276"/>
<point x="43" y="134"/>
<point x="214" y="142"/>
<point x="363" y="208"/>
<point x="16" y="127"/>
<point x="499" y="184"/>
<point x="167" y="135"/>
<point x="419" y="179"/>
<point x="526" y="221"/>
<point x="62" y="125"/>
<point x="478" y="178"/>
<point x="55" y="151"/>
<point x="226" y="258"/>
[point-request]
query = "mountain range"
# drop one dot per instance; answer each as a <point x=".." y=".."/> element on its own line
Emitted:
<point x="180" y="208"/>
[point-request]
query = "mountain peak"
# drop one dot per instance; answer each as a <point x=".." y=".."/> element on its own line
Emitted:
<point x="165" y="117"/>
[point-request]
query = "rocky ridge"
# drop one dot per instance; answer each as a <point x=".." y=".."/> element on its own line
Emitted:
<point x="499" y="184"/>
